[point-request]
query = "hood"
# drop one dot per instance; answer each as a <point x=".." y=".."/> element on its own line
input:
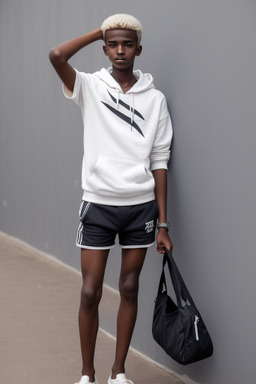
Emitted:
<point x="144" y="82"/>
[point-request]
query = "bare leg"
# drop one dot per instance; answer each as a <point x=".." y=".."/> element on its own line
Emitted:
<point x="93" y="263"/>
<point x="132" y="262"/>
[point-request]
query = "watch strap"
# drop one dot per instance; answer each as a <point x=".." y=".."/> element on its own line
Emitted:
<point x="164" y="225"/>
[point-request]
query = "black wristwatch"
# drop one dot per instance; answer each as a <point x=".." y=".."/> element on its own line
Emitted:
<point x="164" y="225"/>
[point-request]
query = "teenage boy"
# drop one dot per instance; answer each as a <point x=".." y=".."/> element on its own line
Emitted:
<point x="127" y="136"/>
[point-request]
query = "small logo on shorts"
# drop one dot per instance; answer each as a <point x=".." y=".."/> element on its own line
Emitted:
<point x="149" y="226"/>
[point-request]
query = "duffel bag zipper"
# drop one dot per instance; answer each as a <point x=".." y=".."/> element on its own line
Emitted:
<point x="196" y="328"/>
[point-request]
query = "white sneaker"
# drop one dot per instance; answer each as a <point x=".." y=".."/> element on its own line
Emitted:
<point x="120" y="379"/>
<point x="85" y="380"/>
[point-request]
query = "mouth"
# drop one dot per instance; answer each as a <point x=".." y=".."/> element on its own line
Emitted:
<point x="119" y="59"/>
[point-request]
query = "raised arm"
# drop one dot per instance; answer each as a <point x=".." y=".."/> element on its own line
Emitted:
<point x="60" y="55"/>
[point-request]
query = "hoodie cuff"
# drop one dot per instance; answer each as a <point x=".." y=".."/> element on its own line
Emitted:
<point x="69" y="94"/>
<point x="158" y="165"/>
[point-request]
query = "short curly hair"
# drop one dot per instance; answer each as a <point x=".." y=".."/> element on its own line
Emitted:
<point x="122" y="21"/>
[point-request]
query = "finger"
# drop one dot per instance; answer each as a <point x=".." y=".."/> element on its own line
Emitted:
<point x="160" y="248"/>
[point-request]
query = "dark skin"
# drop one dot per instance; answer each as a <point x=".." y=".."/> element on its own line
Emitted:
<point x="121" y="48"/>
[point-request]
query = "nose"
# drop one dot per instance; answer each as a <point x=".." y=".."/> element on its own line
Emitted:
<point x="120" y="49"/>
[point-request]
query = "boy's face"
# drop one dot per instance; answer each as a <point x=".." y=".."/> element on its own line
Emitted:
<point x="121" y="47"/>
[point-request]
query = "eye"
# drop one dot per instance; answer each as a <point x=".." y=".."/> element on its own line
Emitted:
<point x="111" y="45"/>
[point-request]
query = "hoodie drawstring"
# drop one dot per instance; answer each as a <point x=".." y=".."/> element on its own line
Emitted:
<point x="131" y="106"/>
<point x="117" y="102"/>
<point x="131" y="109"/>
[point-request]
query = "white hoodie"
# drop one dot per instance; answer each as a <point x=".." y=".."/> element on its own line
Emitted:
<point x="126" y="137"/>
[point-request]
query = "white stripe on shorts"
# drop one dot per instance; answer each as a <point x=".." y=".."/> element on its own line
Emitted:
<point x="85" y="211"/>
<point x="79" y="236"/>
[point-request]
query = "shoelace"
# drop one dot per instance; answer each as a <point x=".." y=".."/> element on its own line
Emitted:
<point x="123" y="381"/>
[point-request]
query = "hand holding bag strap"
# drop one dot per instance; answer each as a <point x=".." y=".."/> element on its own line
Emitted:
<point x="182" y="294"/>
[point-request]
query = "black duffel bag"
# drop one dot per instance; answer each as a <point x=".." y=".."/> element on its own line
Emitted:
<point x="179" y="328"/>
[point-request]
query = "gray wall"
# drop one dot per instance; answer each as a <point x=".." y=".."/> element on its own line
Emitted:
<point x="202" y="55"/>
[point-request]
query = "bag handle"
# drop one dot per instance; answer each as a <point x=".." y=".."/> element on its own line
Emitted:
<point x="162" y="283"/>
<point x="182" y="294"/>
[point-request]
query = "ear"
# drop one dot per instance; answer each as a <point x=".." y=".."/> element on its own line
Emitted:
<point x="105" y="50"/>
<point x="139" y="50"/>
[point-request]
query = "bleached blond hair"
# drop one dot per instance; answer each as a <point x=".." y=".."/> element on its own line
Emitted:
<point x="122" y="21"/>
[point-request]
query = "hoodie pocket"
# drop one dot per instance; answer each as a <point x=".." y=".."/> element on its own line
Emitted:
<point x="120" y="177"/>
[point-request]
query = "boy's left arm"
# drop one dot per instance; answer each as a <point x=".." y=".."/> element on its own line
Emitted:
<point x="163" y="239"/>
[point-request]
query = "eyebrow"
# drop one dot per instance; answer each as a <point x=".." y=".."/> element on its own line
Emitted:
<point x="123" y="41"/>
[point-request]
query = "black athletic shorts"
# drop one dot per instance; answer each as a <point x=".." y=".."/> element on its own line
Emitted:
<point x="99" y="224"/>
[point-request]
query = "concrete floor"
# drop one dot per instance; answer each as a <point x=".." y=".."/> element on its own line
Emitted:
<point x="39" y="340"/>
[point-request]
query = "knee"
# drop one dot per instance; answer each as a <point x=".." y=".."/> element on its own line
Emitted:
<point x="90" y="295"/>
<point x="128" y="288"/>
